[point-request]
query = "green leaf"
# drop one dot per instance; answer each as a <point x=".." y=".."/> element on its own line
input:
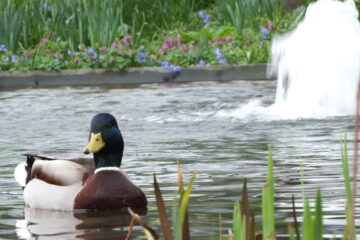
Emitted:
<point x="208" y="33"/>
<point x="224" y="31"/>
<point x="183" y="206"/>
<point x="190" y="36"/>
<point x="165" y="225"/>
<point x="268" y="218"/>
<point x="318" y="224"/>
<point x="347" y="182"/>
<point x="308" y="223"/>
<point x="237" y="221"/>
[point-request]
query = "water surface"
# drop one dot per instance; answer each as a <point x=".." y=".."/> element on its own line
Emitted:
<point x="220" y="130"/>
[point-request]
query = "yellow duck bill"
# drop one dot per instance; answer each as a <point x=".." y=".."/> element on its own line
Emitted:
<point x="95" y="144"/>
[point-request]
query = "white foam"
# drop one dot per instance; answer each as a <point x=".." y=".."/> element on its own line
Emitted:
<point x="318" y="63"/>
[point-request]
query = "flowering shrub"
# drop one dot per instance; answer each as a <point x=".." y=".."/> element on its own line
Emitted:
<point x="209" y="44"/>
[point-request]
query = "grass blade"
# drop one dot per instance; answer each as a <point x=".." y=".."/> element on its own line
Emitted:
<point x="307" y="225"/>
<point x="164" y="221"/>
<point x="268" y="218"/>
<point x="295" y="219"/>
<point x="186" y="227"/>
<point x="347" y="182"/>
<point x="239" y="224"/>
<point x="246" y="213"/>
<point x="318" y="222"/>
<point x="183" y="206"/>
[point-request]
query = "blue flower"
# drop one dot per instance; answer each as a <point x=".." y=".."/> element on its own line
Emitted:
<point x="165" y="64"/>
<point x="141" y="57"/>
<point x="218" y="53"/>
<point x="91" y="52"/>
<point x="168" y="66"/>
<point x="206" y="21"/>
<point x="175" y="68"/>
<point x="69" y="53"/>
<point x="22" y="59"/>
<point x="58" y="39"/>
<point x="264" y="31"/>
<point x="66" y="62"/>
<point x="201" y="14"/>
<point x="200" y="63"/>
<point x="13" y="58"/>
<point x="3" y="48"/>
<point x="6" y="60"/>
<point x="222" y="61"/>
<point x="220" y="57"/>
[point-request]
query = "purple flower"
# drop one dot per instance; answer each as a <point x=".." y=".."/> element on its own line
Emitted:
<point x="6" y="60"/>
<point x="264" y="31"/>
<point x="69" y="53"/>
<point x="261" y="43"/>
<point x="220" y="57"/>
<point x="22" y="59"/>
<point x="141" y="57"/>
<point x="58" y="39"/>
<point x="175" y="68"/>
<point x="228" y="39"/>
<point x="90" y="51"/>
<point x="218" y="53"/>
<point x="3" y="48"/>
<point x="127" y="40"/>
<point x="271" y="26"/>
<point x="171" y="67"/>
<point x="201" y="14"/>
<point x="13" y="58"/>
<point x="165" y="64"/>
<point x="200" y="63"/>
<point x="206" y="21"/>
<point x="66" y="62"/>
<point x="222" y="61"/>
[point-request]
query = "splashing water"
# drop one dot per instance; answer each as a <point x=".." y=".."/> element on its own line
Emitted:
<point x="318" y="63"/>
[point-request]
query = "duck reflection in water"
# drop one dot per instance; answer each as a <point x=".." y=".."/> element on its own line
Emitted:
<point x="45" y="224"/>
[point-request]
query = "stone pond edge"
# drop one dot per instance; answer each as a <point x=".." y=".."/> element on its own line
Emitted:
<point x="130" y="76"/>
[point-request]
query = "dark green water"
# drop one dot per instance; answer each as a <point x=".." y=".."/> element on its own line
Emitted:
<point x="210" y="127"/>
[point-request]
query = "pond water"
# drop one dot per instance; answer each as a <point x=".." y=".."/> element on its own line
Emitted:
<point x="220" y="130"/>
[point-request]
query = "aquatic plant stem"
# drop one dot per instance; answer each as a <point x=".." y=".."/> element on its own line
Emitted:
<point x="295" y="219"/>
<point x="131" y="227"/>
<point x="355" y="164"/>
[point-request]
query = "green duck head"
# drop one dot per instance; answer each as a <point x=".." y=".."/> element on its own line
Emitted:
<point x="105" y="141"/>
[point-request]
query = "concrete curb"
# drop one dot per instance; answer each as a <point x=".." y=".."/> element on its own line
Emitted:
<point x="147" y="75"/>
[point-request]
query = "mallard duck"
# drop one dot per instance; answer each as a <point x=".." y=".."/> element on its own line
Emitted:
<point x="83" y="183"/>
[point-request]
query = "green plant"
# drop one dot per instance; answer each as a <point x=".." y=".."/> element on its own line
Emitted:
<point x="268" y="202"/>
